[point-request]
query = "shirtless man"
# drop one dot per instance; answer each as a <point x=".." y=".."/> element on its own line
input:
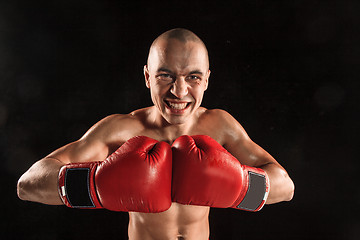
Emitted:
<point x="177" y="74"/>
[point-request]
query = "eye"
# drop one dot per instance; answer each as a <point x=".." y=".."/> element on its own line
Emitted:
<point x="164" y="76"/>
<point x="193" y="78"/>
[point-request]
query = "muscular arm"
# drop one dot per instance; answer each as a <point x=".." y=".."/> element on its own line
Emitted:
<point x="239" y="144"/>
<point x="39" y="183"/>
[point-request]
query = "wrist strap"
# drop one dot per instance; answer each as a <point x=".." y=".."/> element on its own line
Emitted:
<point x="77" y="186"/>
<point x="257" y="191"/>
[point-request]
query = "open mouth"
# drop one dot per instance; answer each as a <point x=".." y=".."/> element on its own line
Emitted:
<point x="177" y="106"/>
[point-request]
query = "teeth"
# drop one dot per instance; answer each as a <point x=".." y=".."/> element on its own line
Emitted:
<point x="177" y="105"/>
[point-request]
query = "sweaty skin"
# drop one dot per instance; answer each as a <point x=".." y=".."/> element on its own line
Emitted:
<point x="177" y="74"/>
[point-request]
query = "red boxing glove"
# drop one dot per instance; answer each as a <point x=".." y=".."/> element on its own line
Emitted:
<point x="205" y="174"/>
<point x="136" y="177"/>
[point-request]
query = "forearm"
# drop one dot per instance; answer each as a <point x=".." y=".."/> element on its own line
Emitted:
<point x="40" y="182"/>
<point x="281" y="186"/>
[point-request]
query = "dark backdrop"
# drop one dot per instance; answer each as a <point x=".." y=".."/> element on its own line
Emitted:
<point x="286" y="70"/>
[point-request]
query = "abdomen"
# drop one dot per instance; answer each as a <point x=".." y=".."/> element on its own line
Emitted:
<point x="178" y="222"/>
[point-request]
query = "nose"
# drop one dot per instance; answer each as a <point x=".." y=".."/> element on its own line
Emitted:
<point x="179" y="88"/>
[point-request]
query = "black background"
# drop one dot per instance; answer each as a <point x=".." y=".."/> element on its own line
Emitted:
<point x="288" y="71"/>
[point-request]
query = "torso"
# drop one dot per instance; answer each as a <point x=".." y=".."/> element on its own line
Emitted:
<point x="184" y="222"/>
<point x="179" y="222"/>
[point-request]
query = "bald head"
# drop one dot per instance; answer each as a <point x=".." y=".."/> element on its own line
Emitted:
<point x="180" y="34"/>
<point x="181" y="38"/>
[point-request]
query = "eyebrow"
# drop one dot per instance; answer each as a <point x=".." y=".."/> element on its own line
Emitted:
<point x="197" y="72"/>
<point x="164" y="70"/>
<point x="169" y="71"/>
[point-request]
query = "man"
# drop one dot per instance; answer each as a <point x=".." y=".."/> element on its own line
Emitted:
<point x="187" y="168"/>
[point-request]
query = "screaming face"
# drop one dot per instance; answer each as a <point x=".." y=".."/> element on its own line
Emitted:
<point x="177" y="75"/>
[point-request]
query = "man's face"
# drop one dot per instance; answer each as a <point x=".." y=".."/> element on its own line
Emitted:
<point x="177" y="75"/>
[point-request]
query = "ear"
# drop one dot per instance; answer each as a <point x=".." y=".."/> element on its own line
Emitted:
<point x="207" y="79"/>
<point x="147" y="76"/>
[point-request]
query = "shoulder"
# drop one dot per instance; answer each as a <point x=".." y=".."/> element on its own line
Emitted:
<point x="218" y="112"/>
<point x="220" y="116"/>
<point x="225" y="125"/>
<point x="111" y="121"/>
<point x="141" y="113"/>
<point x="113" y="126"/>
<point x="121" y="120"/>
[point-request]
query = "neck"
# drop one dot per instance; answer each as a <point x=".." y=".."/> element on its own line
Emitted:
<point x="168" y="130"/>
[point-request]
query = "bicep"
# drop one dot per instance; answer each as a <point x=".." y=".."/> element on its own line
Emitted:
<point x="240" y="145"/>
<point x="249" y="153"/>
<point x="96" y="144"/>
<point x="81" y="151"/>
